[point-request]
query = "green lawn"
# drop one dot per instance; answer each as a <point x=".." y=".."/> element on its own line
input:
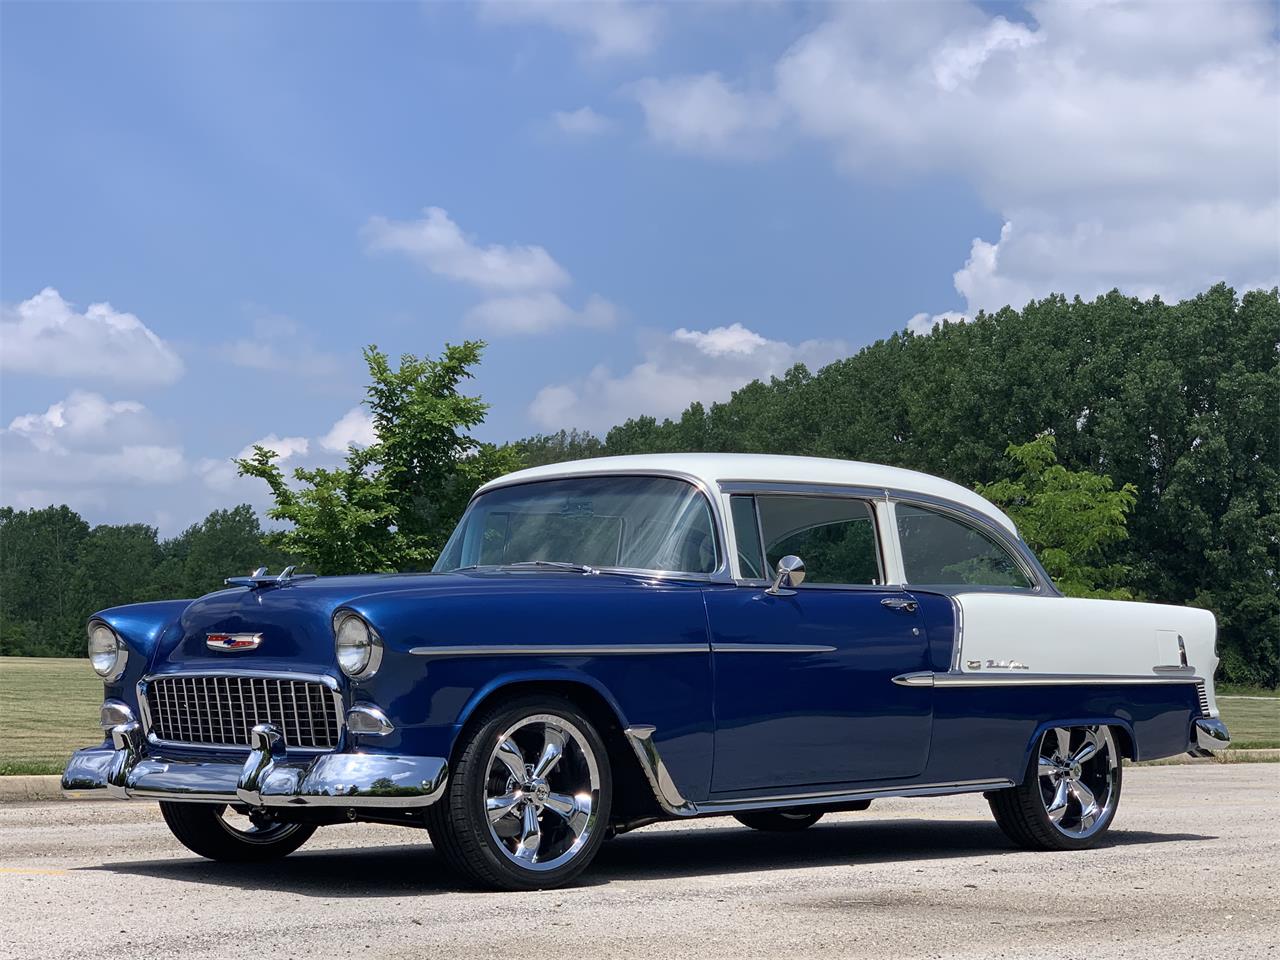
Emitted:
<point x="49" y="707"/>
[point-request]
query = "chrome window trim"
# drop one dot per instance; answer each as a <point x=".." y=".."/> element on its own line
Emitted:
<point x="335" y="690"/>
<point x="721" y="572"/>
<point x="868" y="495"/>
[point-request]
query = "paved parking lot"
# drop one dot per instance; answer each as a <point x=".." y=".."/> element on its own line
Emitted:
<point x="1192" y="870"/>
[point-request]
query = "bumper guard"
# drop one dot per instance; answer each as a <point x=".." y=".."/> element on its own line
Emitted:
<point x="1210" y="736"/>
<point x="267" y="778"/>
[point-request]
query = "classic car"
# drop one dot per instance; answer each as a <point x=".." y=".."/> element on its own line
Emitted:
<point x="608" y="643"/>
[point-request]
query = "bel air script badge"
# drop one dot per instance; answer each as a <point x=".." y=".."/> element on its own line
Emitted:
<point x="234" y="642"/>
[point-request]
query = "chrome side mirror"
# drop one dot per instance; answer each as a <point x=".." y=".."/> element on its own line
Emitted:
<point x="790" y="573"/>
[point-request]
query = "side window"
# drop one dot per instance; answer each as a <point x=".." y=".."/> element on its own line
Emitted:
<point x="747" y="534"/>
<point x="938" y="549"/>
<point x="834" y="536"/>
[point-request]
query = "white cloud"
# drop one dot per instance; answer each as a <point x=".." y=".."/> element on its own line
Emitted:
<point x="280" y="344"/>
<point x="606" y="28"/>
<point x="540" y="313"/>
<point x="1123" y="144"/>
<point x="46" y="335"/>
<point x="353" y="427"/>
<point x="439" y="244"/>
<point x="583" y="122"/>
<point x="81" y="417"/>
<point x="285" y="448"/>
<point x="677" y="369"/>
<point x="704" y="114"/>
<point x="923" y="323"/>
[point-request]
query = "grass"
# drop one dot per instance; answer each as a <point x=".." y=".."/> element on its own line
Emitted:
<point x="49" y="708"/>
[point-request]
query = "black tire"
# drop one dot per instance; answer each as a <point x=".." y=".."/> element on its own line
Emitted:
<point x="779" y="821"/>
<point x="1021" y="811"/>
<point x="202" y="829"/>
<point x="459" y="822"/>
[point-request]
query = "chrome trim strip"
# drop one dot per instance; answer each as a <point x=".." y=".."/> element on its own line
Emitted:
<point x="722" y="572"/>
<point x="846" y="796"/>
<point x="665" y="791"/>
<point x="558" y="650"/>
<point x="927" y="678"/>
<point x="770" y="648"/>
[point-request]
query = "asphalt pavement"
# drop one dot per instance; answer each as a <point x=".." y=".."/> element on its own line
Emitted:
<point x="1190" y="869"/>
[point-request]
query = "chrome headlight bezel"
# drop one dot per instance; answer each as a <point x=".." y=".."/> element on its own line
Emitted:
<point x="356" y="645"/>
<point x="108" y="654"/>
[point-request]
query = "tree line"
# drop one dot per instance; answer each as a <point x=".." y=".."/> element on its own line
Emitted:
<point x="1135" y="442"/>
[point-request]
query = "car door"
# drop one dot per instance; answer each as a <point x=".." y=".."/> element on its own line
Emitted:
<point x="804" y="691"/>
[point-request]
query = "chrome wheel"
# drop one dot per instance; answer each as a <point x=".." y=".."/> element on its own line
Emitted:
<point x="1076" y="773"/>
<point x="542" y="792"/>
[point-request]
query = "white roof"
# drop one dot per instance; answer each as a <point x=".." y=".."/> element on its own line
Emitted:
<point x="714" y="468"/>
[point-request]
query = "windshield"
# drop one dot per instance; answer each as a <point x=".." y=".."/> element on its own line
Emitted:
<point x="645" y="523"/>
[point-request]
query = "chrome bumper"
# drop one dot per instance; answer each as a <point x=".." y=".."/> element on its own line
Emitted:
<point x="1211" y="735"/>
<point x="267" y="778"/>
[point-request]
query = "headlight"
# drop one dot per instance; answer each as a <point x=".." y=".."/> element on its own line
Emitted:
<point x="107" y="652"/>
<point x="359" y="649"/>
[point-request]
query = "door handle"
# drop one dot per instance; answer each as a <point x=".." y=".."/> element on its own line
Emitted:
<point x="900" y="603"/>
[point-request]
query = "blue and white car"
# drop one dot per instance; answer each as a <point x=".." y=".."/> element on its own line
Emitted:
<point x="613" y="642"/>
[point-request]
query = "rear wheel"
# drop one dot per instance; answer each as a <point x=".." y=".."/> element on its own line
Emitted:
<point x="528" y="798"/>
<point x="779" y="821"/>
<point x="231" y="832"/>
<point x="1069" y="795"/>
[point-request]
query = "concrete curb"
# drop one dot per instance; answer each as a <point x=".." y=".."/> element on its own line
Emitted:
<point x="28" y="789"/>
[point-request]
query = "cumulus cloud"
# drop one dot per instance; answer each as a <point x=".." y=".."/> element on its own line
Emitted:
<point x="677" y="369"/>
<point x="82" y="417"/>
<point x="1130" y="145"/>
<point x="924" y="323"/>
<point x="583" y="122"/>
<point x="540" y="313"/>
<point x="439" y="244"/>
<point x="605" y="28"/>
<point x="353" y="428"/>
<point x="46" y="335"/>
<point x="704" y="114"/>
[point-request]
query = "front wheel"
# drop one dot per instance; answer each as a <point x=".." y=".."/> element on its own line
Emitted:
<point x="528" y="799"/>
<point x="233" y="833"/>
<point x="778" y="821"/>
<point x="1069" y="795"/>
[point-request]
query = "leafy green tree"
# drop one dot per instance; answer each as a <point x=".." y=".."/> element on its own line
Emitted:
<point x="557" y="447"/>
<point x="1072" y="519"/>
<point x="38" y="557"/>
<point x="394" y="503"/>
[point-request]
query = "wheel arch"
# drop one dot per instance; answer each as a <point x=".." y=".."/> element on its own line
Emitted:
<point x="1122" y="733"/>
<point x="633" y="799"/>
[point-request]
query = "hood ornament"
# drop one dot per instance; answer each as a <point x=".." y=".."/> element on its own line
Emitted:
<point x="232" y="642"/>
<point x="260" y="578"/>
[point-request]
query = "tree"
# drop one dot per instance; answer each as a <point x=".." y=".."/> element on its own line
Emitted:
<point x="1071" y="519"/>
<point x="394" y="503"/>
<point x="38" y="557"/>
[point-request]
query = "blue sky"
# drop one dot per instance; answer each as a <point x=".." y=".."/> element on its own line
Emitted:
<point x="636" y="205"/>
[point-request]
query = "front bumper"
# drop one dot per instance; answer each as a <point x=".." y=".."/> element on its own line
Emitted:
<point x="269" y="777"/>
<point x="1210" y="736"/>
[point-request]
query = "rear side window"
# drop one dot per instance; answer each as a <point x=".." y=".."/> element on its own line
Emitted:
<point x="834" y="536"/>
<point x="941" y="550"/>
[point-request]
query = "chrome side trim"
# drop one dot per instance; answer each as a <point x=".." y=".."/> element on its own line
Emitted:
<point x="770" y="648"/>
<point x="558" y="650"/>
<point x="846" y="796"/>
<point x="926" y="678"/>
<point x="664" y="789"/>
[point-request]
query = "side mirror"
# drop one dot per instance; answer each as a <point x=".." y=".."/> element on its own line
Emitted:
<point x="790" y="573"/>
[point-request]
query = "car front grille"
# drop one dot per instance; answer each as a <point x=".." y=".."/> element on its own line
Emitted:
<point x="1204" y="699"/>
<point x="220" y="710"/>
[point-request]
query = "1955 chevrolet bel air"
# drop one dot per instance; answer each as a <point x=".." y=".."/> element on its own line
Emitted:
<point x="613" y="642"/>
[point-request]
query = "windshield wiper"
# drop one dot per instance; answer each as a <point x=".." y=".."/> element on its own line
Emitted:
<point x="554" y="565"/>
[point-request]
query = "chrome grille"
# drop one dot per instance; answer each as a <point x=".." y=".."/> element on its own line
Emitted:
<point x="1204" y="699"/>
<point x="220" y="710"/>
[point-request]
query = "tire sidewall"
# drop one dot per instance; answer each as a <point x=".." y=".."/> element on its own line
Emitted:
<point x="472" y="791"/>
<point x="1061" y="840"/>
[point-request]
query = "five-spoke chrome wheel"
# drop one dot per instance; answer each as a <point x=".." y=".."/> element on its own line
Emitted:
<point x="540" y="795"/>
<point x="529" y="795"/>
<point x="1070" y="793"/>
<point x="1076" y="768"/>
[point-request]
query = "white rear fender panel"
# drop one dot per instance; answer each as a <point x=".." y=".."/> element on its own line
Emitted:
<point x="1004" y="633"/>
